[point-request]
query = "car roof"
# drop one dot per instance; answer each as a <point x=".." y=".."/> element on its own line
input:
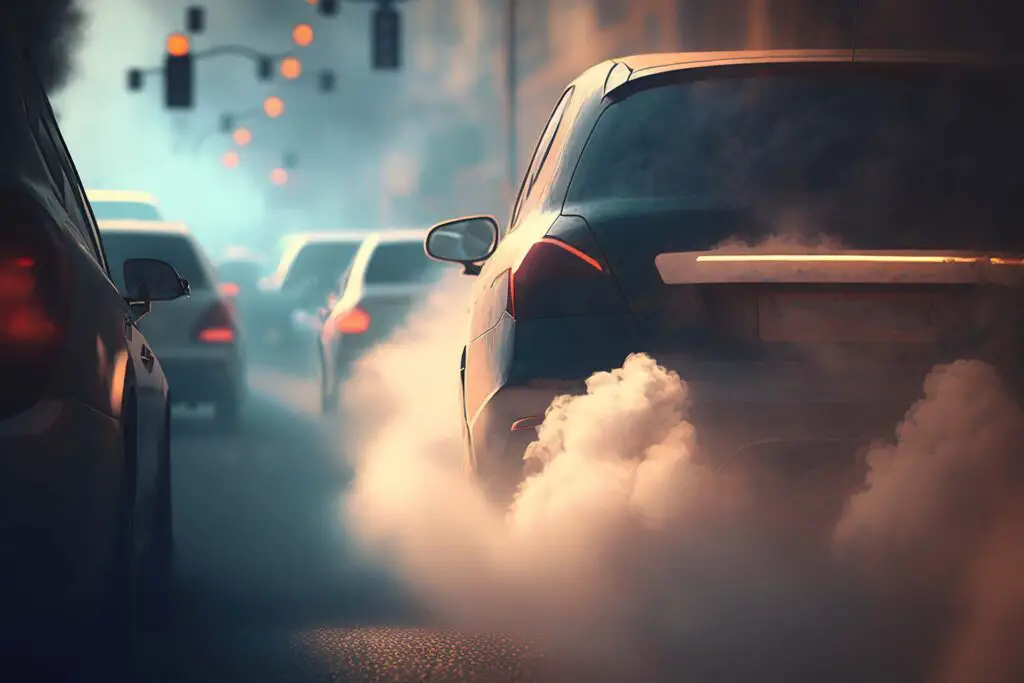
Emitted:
<point x="400" y="235"/>
<point x="136" y="196"/>
<point x="649" y="64"/>
<point x="152" y="227"/>
<point x="332" y="236"/>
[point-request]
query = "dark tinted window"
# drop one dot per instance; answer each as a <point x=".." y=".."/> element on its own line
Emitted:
<point x="320" y="262"/>
<point x="401" y="263"/>
<point x="125" y="211"/>
<point x="915" y="159"/>
<point x="177" y="250"/>
<point x="246" y="273"/>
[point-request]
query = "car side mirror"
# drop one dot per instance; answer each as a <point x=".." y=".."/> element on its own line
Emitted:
<point x="147" y="280"/>
<point x="463" y="240"/>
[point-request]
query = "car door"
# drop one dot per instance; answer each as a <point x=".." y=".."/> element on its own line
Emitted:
<point x="150" y="385"/>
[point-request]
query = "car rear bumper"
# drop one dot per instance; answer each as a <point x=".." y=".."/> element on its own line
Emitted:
<point x="59" y="496"/>
<point x="205" y="375"/>
<point x="737" y="411"/>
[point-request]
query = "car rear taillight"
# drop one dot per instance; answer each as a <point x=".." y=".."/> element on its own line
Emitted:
<point x="34" y="302"/>
<point x="228" y="289"/>
<point x="556" y="278"/>
<point x="354" y="321"/>
<point x="217" y="326"/>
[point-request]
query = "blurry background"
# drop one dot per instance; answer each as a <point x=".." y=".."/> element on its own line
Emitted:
<point x="404" y="147"/>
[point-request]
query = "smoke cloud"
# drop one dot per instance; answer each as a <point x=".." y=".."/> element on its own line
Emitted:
<point x="628" y="557"/>
<point x="50" y="31"/>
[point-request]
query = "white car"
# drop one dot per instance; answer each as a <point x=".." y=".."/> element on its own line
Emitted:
<point x="85" y="460"/>
<point x="309" y="266"/>
<point x="198" y="338"/>
<point x="389" y="274"/>
<point x="124" y="205"/>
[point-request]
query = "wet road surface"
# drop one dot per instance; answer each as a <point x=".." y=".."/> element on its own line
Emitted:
<point x="269" y="587"/>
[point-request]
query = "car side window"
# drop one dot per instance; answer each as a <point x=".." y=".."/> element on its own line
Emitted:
<point x="540" y="155"/>
<point x="58" y="162"/>
<point x="74" y="194"/>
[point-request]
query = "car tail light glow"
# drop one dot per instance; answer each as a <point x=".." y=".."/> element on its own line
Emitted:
<point x="555" y="279"/>
<point x="217" y="326"/>
<point x="34" y="301"/>
<point x="523" y="423"/>
<point x="354" y="321"/>
<point x="228" y="289"/>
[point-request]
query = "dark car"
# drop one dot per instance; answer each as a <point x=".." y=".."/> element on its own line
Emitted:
<point x="881" y="199"/>
<point x="85" y="473"/>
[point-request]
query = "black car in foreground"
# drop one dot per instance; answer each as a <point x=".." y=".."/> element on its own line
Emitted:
<point x="802" y="235"/>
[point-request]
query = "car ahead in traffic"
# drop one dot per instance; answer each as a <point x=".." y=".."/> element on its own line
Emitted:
<point x="389" y="274"/>
<point x="198" y="339"/>
<point x="85" y="461"/>
<point x="653" y="172"/>
<point x="124" y="205"/>
<point x="308" y="269"/>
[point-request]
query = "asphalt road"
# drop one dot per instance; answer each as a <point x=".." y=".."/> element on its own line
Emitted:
<point x="269" y="588"/>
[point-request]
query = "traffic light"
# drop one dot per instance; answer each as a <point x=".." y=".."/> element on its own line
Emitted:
<point x="227" y="123"/>
<point x="279" y="176"/>
<point x="291" y="68"/>
<point x="134" y="79"/>
<point x="302" y="34"/>
<point x="178" y="85"/>
<point x="387" y="32"/>
<point x="328" y="7"/>
<point x="264" y="68"/>
<point x="195" y="19"/>
<point x="273" y="106"/>
<point x="327" y="80"/>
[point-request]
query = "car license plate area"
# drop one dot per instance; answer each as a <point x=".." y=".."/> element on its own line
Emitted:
<point x="835" y="318"/>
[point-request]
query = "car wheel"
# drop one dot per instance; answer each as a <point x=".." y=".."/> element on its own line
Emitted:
<point x="227" y="413"/>
<point x="158" y="573"/>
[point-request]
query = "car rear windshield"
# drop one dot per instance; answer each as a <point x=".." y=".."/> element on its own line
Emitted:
<point x="320" y="262"/>
<point x="177" y="250"/>
<point x="125" y="211"/>
<point x="908" y="158"/>
<point x="401" y="263"/>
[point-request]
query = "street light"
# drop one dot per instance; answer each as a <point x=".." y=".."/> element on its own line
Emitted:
<point x="230" y="159"/>
<point x="242" y="137"/>
<point x="302" y="34"/>
<point x="279" y="176"/>
<point x="273" y="106"/>
<point x="291" y="68"/>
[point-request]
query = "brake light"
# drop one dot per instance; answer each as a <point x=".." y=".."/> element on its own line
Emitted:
<point x="354" y="321"/>
<point x="228" y="289"/>
<point x="556" y="278"/>
<point x="34" y="301"/>
<point x="217" y="326"/>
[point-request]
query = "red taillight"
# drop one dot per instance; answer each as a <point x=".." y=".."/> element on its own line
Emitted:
<point x="228" y="289"/>
<point x="354" y="321"/>
<point x="34" y="301"/>
<point x="217" y="325"/>
<point x="556" y="279"/>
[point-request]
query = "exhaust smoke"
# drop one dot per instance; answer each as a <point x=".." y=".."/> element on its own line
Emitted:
<point x="627" y="557"/>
